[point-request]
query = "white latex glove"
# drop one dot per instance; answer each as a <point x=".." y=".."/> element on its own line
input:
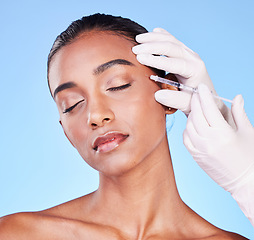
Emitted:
<point x="224" y="153"/>
<point x="161" y="50"/>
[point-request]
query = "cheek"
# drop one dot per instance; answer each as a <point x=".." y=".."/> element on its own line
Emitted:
<point x="73" y="130"/>
<point x="142" y="113"/>
<point x="153" y="119"/>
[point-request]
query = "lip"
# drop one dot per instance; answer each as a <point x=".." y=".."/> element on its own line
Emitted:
<point x="108" y="141"/>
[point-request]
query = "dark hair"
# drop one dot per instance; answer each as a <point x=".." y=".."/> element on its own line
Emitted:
<point x="120" y="26"/>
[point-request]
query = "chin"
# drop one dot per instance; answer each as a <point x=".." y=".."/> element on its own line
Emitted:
<point x="117" y="166"/>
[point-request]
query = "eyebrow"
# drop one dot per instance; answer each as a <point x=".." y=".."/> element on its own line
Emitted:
<point x="63" y="87"/>
<point x="99" y="70"/>
<point x="103" y="67"/>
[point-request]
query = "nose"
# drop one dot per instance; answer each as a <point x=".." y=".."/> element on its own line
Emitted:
<point x="99" y="113"/>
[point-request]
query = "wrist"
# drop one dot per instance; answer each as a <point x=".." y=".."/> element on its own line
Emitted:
<point x="244" y="195"/>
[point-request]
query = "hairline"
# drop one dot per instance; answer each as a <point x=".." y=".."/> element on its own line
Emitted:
<point x="79" y="36"/>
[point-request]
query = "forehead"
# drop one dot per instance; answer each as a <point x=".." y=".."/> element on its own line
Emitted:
<point x="86" y="53"/>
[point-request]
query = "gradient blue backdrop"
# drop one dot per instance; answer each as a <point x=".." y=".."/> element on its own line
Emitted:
<point x="38" y="166"/>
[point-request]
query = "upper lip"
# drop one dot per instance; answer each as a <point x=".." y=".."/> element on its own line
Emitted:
<point x="106" y="138"/>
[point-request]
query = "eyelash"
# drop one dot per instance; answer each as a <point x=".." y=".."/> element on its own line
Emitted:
<point x="119" y="88"/>
<point x="109" y="89"/>
<point x="72" y="107"/>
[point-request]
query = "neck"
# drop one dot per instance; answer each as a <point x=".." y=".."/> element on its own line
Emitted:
<point x="143" y="195"/>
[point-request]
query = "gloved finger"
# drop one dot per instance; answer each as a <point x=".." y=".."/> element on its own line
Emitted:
<point x="174" y="99"/>
<point x="198" y="141"/>
<point x="188" y="143"/>
<point x="239" y="114"/>
<point x="202" y="126"/>
<point x="168" y="49"/>
<point x="160" y="30"/>
<point x="158" y="37"/>
<point x="209" y="107"/>
<point x="172" y="65"/>
<point x="198" y="119"/>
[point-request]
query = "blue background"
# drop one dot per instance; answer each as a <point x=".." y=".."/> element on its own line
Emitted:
<point x="38" y="166"/>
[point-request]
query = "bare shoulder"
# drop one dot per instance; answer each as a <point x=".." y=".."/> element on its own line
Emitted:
<point x="224" y="235"/>
<point x="15" y="226"/>
<point x="63" y="222"/>
<point x="38" y="225"/>
<point x="202" y="229"/>
<point x="34" y="225"/>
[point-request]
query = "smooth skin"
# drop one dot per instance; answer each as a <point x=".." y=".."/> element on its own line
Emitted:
<point x="137" y="196"/>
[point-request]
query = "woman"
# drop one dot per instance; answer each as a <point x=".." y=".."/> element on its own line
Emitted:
<point x="108" y="112"/>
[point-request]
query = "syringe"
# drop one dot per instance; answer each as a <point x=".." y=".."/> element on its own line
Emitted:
<point x="184" y="87"/>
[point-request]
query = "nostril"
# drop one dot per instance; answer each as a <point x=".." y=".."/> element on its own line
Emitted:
<point x="98" y="122"/>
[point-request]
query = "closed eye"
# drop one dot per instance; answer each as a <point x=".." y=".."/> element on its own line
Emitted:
<point x="73" y="106"/>
<point x="119" y="88"/>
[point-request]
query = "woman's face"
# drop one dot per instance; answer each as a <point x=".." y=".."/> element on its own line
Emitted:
<point x="106" y="102"/>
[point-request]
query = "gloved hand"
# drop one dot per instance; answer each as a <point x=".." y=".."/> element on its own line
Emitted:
<point x="161" y="50"/>
<point x="224" y="153"/>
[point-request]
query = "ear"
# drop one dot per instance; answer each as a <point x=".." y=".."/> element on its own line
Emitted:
<point x="172" y="77"/>
<point x="65" y="133"/>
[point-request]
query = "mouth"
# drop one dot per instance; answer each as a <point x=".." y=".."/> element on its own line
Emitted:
<point x="108" y="142"/>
